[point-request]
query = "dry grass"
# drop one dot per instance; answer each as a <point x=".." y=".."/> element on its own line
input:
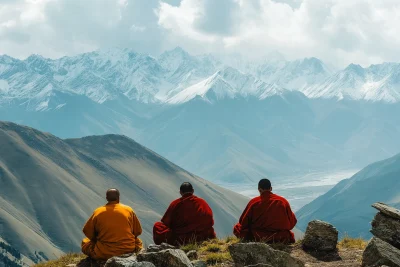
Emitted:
<point x="190" y="246"/>
<point x="352" y="243"/>
<point x="215" y="251"/>
<point x="72" y="258"/>
<point x="217" y="257"/>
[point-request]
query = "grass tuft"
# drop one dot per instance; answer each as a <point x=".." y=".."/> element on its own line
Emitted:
<point x="215" y="258"/>
<point x="72" y="258"/>
<point x="352" y="243"/>
<point x="190" y="246"/>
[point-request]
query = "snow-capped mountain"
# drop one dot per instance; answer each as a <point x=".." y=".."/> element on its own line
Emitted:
<point x="226" y="83"/>
<point x="176" y="77"/>
<point x="375" y="83"/>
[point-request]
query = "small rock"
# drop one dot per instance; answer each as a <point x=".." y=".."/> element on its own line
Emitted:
<point x="387" y="229"/>
<point x="158" y="248"/>
<point x="379" y="253"/>
<point x="199" y="264"/>
<point x="387" y="210"/>
<point x="123" y="261"/>
<point x="245" y="254"/>
<point x="320" y="236"/>
<point x="166" y="258"/>
<point x="192" y="255"/>
<point x="70" y="265"/>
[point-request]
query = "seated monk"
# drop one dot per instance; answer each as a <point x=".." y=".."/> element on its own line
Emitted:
<point x="267" y="218"/>
<point x="187" y="219"/>
<point x="112" y="230"/>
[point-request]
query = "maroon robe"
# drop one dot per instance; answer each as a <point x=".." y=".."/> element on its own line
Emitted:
<point x="267" y="218"/>
<point x="187" y="219"/>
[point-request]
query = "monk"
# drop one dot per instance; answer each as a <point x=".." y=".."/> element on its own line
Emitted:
<point x="267" y="218"/>
<point x="187" y="219"/>
<point x="112" y="230"/>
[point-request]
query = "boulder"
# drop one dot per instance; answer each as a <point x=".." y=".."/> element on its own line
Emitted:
<point x="245" y="254"/>
<point x="387" y="229"/>
<point x="192" y="255"/>
<point x="130" y="261"/>
<point x="158" y="248"/>
<point x="166" y="258"/>
<point x="320" y="236"/>
<point x="379" y="252"/>
<point x="387" y="210"/>
<point x="199" y="264"/>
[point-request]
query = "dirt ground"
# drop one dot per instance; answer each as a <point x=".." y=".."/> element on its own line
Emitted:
<point x="343" y="258"/>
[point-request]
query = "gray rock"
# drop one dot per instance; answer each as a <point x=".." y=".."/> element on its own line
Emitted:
<point x="199" y="264"/>
<point x="158" y="248"/>
<point x="166" y="258"/>
<point x="245" y="254"/>
<point x="123" y="261"/>
<point x="260" y="265"/>
<point x="387" y="210"/>
<point x="379" y="253"/>
<point x="387" y="229"/>
<point x="320" y="236"/>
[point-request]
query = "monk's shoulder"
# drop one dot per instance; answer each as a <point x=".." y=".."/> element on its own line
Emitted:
<point x="280" y="198"/>
<point x="199" y="199"/>
<point x="174" y="203"/>
<point x="126" y="208"/>
<point x="254" y="201"/>
<point x="99" y="210"/>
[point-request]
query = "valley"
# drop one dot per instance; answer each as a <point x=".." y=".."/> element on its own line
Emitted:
<point x="298" y="190"/>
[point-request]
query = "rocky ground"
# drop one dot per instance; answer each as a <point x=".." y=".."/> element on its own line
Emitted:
<point x="215" y="253"/>
<point x="319" y="248"/>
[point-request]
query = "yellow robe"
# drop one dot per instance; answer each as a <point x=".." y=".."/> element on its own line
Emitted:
<point x="112" y="230"/>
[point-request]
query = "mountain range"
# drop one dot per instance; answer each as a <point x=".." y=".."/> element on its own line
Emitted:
<point x="176" y="76"/>
<point x="49" y="187"/>
<point x="225" y="120"/>
<point x="348" y="204"/>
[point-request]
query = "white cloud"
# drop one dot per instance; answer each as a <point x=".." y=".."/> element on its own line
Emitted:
<point x="337" y="31"/>
<point x="340" y="31"/>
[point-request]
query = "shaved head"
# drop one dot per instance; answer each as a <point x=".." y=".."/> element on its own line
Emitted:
<point x="186" y="188"/>
<point x="112" y="195"/>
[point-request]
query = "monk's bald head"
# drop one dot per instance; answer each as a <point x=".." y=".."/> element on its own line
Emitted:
<point x="264" y="185"/>
<point x="186" y="188"/>
<point x="112" y="195"/>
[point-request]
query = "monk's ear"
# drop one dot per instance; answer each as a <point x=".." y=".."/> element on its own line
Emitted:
<point x="270" y="189"/>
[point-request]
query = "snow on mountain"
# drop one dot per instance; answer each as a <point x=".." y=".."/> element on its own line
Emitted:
<point x="176" y="77"/>
<point x="226" y="83"/>
<point x="375" y="83"/>
<point x="293" y="75"/>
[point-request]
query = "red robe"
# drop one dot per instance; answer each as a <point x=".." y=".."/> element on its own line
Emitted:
<point x="267" y="218"/>
<point x="187" y="219"/>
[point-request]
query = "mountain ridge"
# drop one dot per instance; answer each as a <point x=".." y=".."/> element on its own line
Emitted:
<point x="75" y="173"/>
<point x="105" y="75"/>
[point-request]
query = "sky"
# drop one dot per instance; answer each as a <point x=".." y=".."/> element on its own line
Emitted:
<point x="339" y="32"/>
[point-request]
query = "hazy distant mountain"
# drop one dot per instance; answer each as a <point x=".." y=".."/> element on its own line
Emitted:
<point x="49" y="187"/>
<point x="109" y="74"/>
<point x="375" y="83"/>
<point x="347" y="205"/>
<point x="227" y="123"/>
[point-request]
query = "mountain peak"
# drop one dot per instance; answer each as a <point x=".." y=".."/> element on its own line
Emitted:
<point x="355" y="67"/>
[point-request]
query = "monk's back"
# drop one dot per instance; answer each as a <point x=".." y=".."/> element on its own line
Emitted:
<point x="270" y="212"/>
<point x="113" y="222"/>
<point x="194" y="214"/>
<point x="112" y="230"/>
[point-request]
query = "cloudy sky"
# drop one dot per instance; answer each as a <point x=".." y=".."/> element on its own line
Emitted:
<point x="337" y="31"/>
